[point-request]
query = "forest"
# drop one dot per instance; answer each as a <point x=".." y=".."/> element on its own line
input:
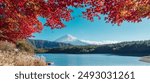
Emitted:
<point x="134" y="48"/>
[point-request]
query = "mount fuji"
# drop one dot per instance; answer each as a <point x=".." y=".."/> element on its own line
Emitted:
<point x="75" y="41"/>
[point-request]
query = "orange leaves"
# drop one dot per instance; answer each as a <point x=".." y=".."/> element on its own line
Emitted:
<point x="32" y="5"/>
<point x="124" y="13"/>
<point x="143" y="8"/>
<point x="11" y="20"/>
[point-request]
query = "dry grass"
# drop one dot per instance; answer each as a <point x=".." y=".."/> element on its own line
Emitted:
<point x="12" y="58"/>
<point x="7" y="46"/>
<point x="24" y="45"/>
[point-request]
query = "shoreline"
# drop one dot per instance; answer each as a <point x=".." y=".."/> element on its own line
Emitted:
<point x="118" y="54"/>
<point x="145" y="59"/>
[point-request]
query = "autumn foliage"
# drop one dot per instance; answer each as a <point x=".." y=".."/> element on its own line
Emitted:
<point x="19" y="18"/>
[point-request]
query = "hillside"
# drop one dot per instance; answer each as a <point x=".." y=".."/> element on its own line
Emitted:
<point x="44" y="44"/>
<point x="134" y="47"/>
<point x="70" y="39"/>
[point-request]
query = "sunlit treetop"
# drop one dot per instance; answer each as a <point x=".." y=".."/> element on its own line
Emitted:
<point x="19" y="18"/>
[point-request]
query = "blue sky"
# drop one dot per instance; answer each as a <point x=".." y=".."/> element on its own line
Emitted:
<point x="97" y="30"/>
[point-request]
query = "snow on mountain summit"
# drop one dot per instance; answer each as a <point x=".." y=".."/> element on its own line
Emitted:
<point x="71" y="40"/>
<point x="75" y="41"/>
<point x="66" y="38"/>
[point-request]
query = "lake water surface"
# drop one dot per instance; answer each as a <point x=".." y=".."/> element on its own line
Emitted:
<point x="92" y="60"/>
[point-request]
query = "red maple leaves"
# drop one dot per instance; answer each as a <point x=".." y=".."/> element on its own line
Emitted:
<point x="19" y="18"/>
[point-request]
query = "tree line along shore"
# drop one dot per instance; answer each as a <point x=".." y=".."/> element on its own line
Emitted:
<point x="130" y="48"/>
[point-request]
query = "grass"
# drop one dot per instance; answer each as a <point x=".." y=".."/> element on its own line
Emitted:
<point x="12" y="56"/>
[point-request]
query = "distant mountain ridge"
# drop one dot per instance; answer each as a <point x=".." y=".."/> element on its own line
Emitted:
<point x="64" y="41"/>
<point x="71" y="40"/>
<point x="130" y="48"/>
<point x="137" y="48"/>
<point x="75" y="41"/>
<point x="44" y="44"/>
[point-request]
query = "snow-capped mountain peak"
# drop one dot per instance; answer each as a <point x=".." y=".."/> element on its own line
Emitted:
<point x="66" y="38"/>
<point x="74" y="41"/>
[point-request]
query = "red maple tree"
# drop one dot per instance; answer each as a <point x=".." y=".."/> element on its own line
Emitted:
<point x="19" y="18"/>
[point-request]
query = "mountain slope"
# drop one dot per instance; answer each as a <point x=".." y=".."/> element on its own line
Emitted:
<point x="75" y="41"/>
<point x="64" y="41"/>
<point x="44" y="44"/>
<point x="71" y="40"/>
<point x="66" y="38"/>
<point x="132" y="48"/>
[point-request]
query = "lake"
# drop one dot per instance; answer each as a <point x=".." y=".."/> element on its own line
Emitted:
<point x="92" y="60"/>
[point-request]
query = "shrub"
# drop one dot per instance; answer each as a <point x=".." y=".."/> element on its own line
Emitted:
<point x="24" y="45"/>
<point x="41" y="50"/>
